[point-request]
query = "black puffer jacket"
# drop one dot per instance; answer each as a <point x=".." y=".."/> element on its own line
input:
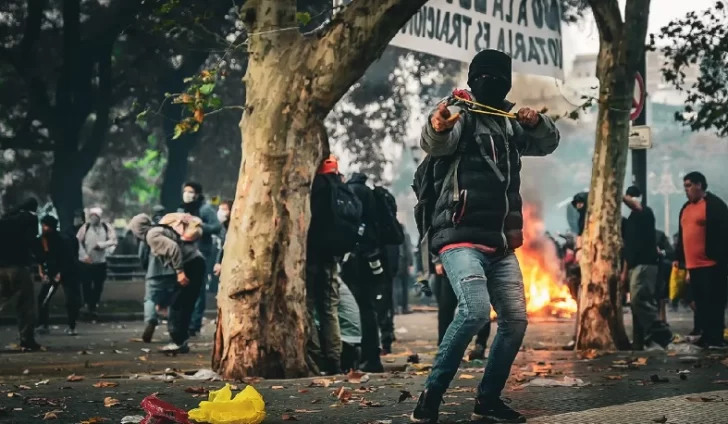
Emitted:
<point x="358" y="184"/>
<point x="481" y="201"/>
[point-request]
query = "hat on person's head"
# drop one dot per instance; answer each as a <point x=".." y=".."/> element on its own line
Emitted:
<point x="96" y="211"/>
<point x="49" y="221"/>
<point x="490" y="62"/>
<point x="634" y="191"/>
<point x="329" y="166"/>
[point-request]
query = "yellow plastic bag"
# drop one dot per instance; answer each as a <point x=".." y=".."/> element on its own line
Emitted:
<point x="247" y="407"/>
<point x="677" y="283"/>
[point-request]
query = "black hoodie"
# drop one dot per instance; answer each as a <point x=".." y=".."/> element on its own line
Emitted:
<point x="358" y="184"/>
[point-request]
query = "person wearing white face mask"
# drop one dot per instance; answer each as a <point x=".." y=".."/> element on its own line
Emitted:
<point x="193" y="203"/>
<point x="96" y="239"/>
<point x="223" y="215"/>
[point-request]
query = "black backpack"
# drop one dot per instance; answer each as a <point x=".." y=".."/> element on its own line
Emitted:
<point x="388" y="228"/>
<point x="341" y="232"/>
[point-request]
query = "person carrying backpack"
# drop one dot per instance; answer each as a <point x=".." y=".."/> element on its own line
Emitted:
<point x="160" y="282"/>
<point x="174" y="246"/>
<point x="469" y="213"/>
<point x="97" y="240"/>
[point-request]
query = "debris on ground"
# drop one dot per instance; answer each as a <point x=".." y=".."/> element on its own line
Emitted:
<point x="549" y="382"/>
<point x="132" y="419"/>
<point x="247" y="407"/>
<point x="160" y="411"/>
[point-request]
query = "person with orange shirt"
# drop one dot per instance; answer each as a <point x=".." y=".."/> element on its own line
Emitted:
<point x="703" y="247"/>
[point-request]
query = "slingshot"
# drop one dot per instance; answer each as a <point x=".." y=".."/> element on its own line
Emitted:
<point x="489" y="110"/>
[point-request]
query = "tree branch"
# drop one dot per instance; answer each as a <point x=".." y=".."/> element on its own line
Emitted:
<point x="355" y="37"/>
<point x="608" y="19"/>
<point x="636" y="15"/>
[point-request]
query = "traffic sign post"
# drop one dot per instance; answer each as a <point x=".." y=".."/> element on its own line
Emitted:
<point x="638" y="99"/>
<point x="640" y="137"/>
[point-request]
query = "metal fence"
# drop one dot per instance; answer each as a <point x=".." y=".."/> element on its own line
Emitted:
<point x="124" y="268"/>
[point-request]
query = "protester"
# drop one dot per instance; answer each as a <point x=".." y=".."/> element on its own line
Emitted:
<point x="57" y="268"/>
<point x="579" y="202"/>
<point x="322" y="282"/>
<point x="175" y="250"/>
<point x="478" y="239"/>
<point x="97" y="240"/>
<point x="193" y="203"/>
<point x="19" y="229"/>
<point x="223" y="215"/>
<point x="363" y="273"/>
<point x="447" y="303"/>
<point x="702" y="247"/>
<point x="160" y="282"/>
<point x="641" y="262"/>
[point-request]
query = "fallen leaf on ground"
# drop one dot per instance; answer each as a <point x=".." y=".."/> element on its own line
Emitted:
<point x="342" y="394"/>
<point x="302" y="390"/>
<point x="619" y="362"/>
<point x="640" y="361"/>
<point x="110" y="402"/>
<point x="23" y="387"/>
<point x="42" y="383"/>
<point x="277" y="387"/>
<point x="252" y="380"/>
<point x="94" y="420"/>
<point x="466" y="377"/>
<point x="589" y="354"/>
<point x="197" y="390"/>
<point x="307" y="411"/>
<point x="288" y="417"/>
<point x="13" y="395"/>
<point x="403" y="396"/>
<point x="105" y="384"/>
<point x="661" y="420"/>
<point x="321" y="382"/>
<point x="705" y="399"/>
<point x="613" y="377"/>
<point x="357" y="377"/>
<point x="369" y="403"/>
<point x="50" y="416"/>
<point x="73" y="378"/>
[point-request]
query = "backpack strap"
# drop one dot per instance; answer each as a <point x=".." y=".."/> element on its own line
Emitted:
<point x="452" y="172"/>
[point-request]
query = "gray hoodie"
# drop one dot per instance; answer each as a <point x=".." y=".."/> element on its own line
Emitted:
<point x="164" y="243"/>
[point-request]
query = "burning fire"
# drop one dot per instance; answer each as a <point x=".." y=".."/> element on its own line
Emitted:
<point x="543" y="273"/>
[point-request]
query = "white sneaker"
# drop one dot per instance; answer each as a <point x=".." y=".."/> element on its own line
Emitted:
<point x="654" y="347"/>
<point x="71" y="331"/>
<point x="175" y="348"/>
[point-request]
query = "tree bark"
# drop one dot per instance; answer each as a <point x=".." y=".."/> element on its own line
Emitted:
<point x="621" y="45"/>
<point x="292" y="83"/>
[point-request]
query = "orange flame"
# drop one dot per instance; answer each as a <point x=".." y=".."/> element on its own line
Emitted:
<point x="543" y="273"/>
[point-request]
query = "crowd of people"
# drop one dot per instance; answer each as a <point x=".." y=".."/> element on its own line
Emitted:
<point x="360" y="259"/>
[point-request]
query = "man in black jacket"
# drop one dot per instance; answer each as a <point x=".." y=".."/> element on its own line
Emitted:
<point x="18" y="248"/>
<point x="702" y="246"/>
<point x="364" y="273"/>
<point x="477" y="223"/>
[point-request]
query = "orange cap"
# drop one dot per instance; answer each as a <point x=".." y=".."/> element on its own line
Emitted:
<point x="329" y="166"/>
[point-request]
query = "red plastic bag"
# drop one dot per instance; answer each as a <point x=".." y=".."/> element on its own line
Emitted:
<point x="161" y="412"/>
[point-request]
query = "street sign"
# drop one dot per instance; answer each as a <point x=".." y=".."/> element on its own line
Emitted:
<point x="638" y="98"/>
<point x="640" y="137"/>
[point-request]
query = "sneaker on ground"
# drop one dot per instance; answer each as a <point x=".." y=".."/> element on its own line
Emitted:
<point x="653" y="347"/>
<point x="43" y="329"/>
<point x="427" y="409"/>
<point x="495" y="410"/>
<point x="29" y="346"/>
<point x="477" y="354"/>
<point x="148" y="333"/>
<point x="71" y="331"/>
<point x="175" y="348"/>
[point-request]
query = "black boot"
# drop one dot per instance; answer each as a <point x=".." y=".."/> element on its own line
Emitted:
<point x="495" y="410"/>
<point x="427" y="409"/>
<point x="477" y="354"/>
<point x="149" y="332"/>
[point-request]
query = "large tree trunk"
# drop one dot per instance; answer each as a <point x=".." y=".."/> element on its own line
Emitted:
<point x="66" y="187"/>
<point x="292" y="83"/>
<point x="175" y="173"/>
<point x="621" y="44"/>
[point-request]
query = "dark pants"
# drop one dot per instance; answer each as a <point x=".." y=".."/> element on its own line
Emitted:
<point x="402" y="284"/>
<point x="364" y="286"/>
<point x="643" y="281"/>
<point x="201" y="301"/>
<point x="710" y="291"/>
<point x="385" y="312"/>
<point x="16" y="284"/>
<point x="180" y="311"/>
<point x="72" y="290"/>
<point x="447" y="302"/>
<point x="322" y="299"/>
<point x="94" y="277"/>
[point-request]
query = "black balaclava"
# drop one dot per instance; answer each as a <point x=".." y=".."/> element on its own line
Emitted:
<point x="489" y="77"/>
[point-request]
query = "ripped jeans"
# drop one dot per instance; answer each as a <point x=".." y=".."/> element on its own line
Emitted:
<point x="479" y="279"/>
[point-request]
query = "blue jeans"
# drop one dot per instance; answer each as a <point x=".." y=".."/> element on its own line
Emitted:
<point x="478" y="280"/>
<point x="158" y="291"/>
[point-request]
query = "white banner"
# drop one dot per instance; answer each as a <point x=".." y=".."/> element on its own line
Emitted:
<point x="528" y="30"/>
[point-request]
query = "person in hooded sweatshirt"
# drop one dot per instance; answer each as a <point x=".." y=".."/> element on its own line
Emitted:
<point x="97" y="240"/>
<point x="193" y="203"/>
<point x="476" y="225"/>
<point x="160" y="282"/>
<point x="189" y="266"/>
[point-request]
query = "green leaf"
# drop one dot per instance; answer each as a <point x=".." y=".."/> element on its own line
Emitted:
<point x="214" y="103"/>
<point x="179" y="129"/>
<point x="142" y="117"/>
<point x="207" y="88"/>
<point x="303" y="17"/>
